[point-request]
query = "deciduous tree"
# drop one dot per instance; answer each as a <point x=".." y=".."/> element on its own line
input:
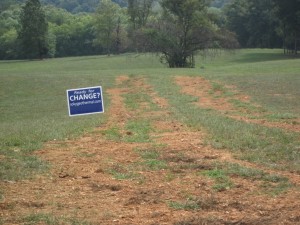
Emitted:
<point x="8" y="33"/>
<point x="34" y="30"/>
<point x="183" y="29"/>
<point x="107" y="25"/>
<point x="139" y="11"/>
<point x="254" y="22"/>
<point x="289" y="14"/>
<point x="180" y="32"/>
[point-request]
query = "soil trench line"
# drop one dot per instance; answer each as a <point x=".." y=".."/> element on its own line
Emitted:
<point x="200" y="87"/>
<point x="144" y="167"/>
<point x="213" y="96"/>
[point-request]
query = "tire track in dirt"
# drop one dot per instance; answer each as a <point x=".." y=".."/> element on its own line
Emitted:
<point x="202" y="88"/>
<point x="85" y="179"/>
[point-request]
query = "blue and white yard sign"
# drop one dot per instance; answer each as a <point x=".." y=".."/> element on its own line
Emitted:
<point x="85" y="101"/>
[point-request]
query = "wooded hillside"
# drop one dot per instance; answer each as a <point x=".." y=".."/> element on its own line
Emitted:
<point x="175" y="28"/>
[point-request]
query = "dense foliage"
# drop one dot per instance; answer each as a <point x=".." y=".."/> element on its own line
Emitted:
<point x="171" y="27"/>
<point x="33" y="31"/>
<point x="219" y="3"/>
<point x="183" y="28"/>
<point x="73" y="6"/>
<point x="288" y="13"/>
<point x="254" y="22"/>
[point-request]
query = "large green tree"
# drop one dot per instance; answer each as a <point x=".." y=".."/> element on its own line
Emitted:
<point x="288" y="13"/>
<point x="183" y="28"/>
<point x="254" y="22"/>
<point x="34" y="30"/>
<point x="8" y="33"/>
<point x="139" y="11"/>
<point x="108" y="26"/>
<point x="72" y="34"/>
<point x="5" y="4"/>
<point x="73" y="6"/>
<point x="179" y="32"/>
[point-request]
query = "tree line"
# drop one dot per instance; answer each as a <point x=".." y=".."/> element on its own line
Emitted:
<point x="73" y="6"/>
<point x="176" y="29"/>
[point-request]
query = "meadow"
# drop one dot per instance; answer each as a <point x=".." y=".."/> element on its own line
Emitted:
<point x="33" y="103"/>
<point x="217" y="139"/>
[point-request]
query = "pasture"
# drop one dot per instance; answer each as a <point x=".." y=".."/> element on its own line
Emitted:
<point x="217" y="144"/>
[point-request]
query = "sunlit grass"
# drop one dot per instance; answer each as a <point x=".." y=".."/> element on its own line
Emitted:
<point x="40" y="218"/>
<point x="138" y="131"/>
<point x="269" y="146"/>
<point x="33" y="105"/>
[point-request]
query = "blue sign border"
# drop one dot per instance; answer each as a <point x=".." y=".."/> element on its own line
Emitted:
<point x="88" y="107"/>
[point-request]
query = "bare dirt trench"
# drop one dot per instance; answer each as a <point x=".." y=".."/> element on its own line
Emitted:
<point x="223" y="99"/>
<point x="144" y="167"/>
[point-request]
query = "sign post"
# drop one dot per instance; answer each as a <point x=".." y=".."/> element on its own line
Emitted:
<point x="84" y="101"/>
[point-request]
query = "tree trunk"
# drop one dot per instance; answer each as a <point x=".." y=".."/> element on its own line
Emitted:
<point x="295" y="46"/>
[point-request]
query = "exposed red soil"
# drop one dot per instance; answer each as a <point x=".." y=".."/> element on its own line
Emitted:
<point x="202" y="88"/>
<point x="82" y="184"/>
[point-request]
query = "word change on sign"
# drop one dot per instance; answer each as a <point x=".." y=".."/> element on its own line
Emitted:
<point x="85" y="101"/>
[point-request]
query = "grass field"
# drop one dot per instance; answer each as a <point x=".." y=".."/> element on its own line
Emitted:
<point x="33" y="103"/>
<point x="217" y="144"/>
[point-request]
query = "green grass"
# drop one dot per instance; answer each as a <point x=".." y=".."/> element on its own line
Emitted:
<point x="149" y="154"/>
<point x="281" y="116"/>
<point x="222" y="181"/>
<point x="49" y="219"/>
<point x="275" y="189"/>
<point x="193" y="203"/>
<point x="33" y="105"/>
<point x="138" y="130"/>
<point x="187" y="205"/>
<point x="38" y="218"/>
<point x="151" y="159"/>
<point x="133" y="101"/>
<point x="250" y="108"/>
<point x="271" y="183"/>
<point x="19" y="165"/>
<point x="277" y="92"/>
<point x="122" y="175"/>
<point x="219" y="90"/>
<point x="113" y="133"/>
<point x="121" y="172"/>
<point x="154" y="164"/>
<point x="271" y="78"/>
<point x="270" y="146"/>
<point x="253" y="174"/>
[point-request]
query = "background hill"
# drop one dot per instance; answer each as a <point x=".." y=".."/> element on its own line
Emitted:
<point x="76" y="6"/>
<point x="75" y="28"/>
<point x="73" y="6"/>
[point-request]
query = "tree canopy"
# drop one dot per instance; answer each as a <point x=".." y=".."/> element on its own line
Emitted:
<point x="180" y="31"/>
<point x="107" y="25"/>
<point x="289" y="16"/>
<point x="176" y="29"/>
<point x="33" y="30"/>
<point x="183" y="28"/>
<point x="73" y="6"/>
<point x="254" y="22"/>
